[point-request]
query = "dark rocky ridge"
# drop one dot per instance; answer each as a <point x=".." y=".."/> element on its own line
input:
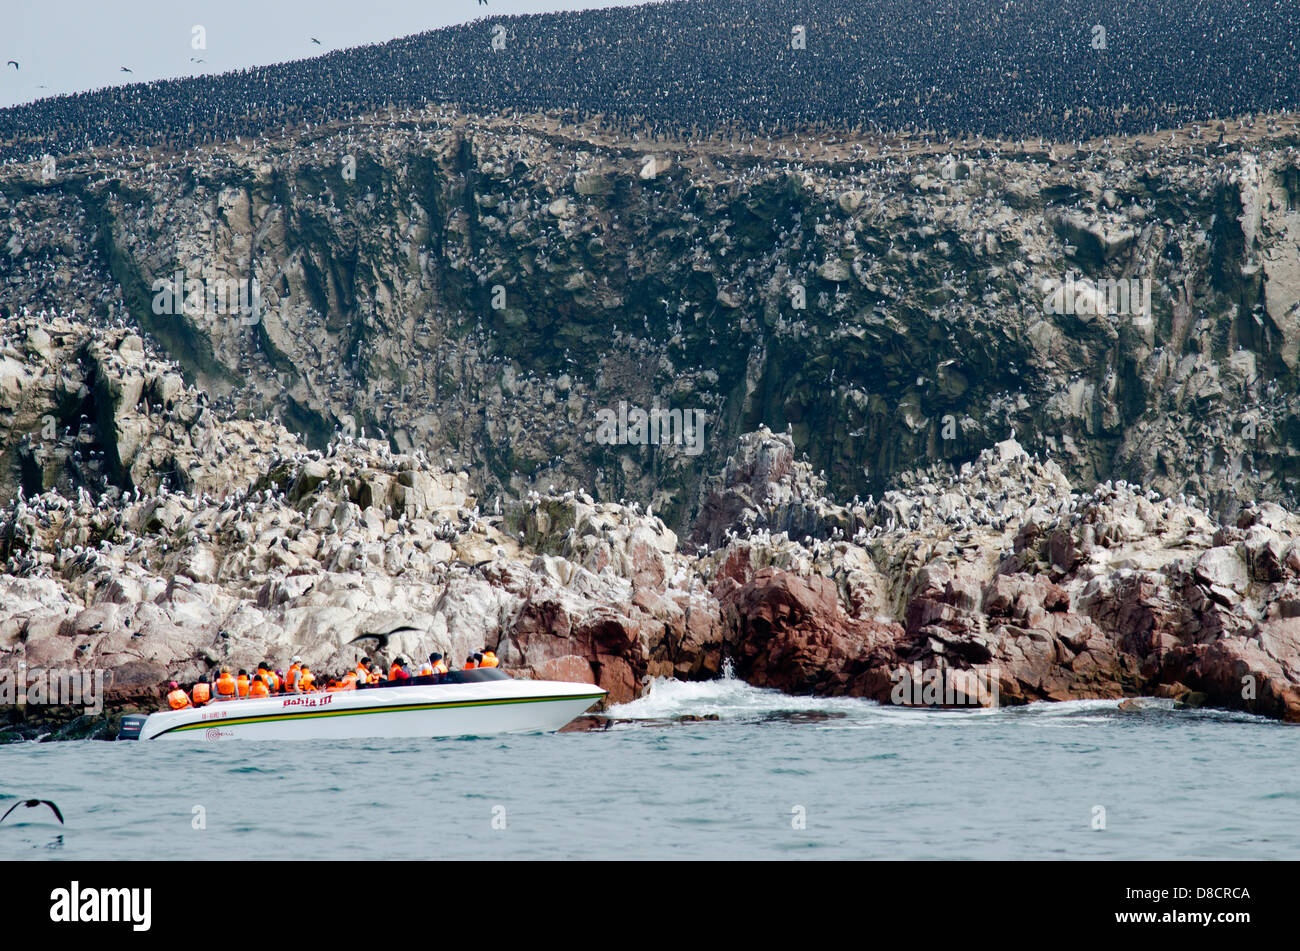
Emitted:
<point x="1029" y="68"/>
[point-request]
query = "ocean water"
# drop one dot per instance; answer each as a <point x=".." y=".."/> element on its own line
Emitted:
<point x="772" y="777"/>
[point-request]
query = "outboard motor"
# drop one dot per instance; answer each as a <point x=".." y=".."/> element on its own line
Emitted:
<point x="131" y="726"/>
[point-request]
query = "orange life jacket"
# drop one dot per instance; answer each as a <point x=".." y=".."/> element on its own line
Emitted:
<point x="259" y="688"/>
<point x="272" y="680"/>
<point x="226" y="687"/>
<point x="397" y="671"/>
<point x="306" y="683"/>
<point x="178" y="699"/>
<point x="291" y="677"/>
<point x="440" y="667"/>
<point x="242" y="685"/>
<point x="201" y="693"/>
<point x="469" y="664"/>
<point x="426" y="670"/>
<point x="490" y="660"/>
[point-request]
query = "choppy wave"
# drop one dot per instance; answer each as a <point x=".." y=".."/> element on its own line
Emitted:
<point x="729" y="698"/>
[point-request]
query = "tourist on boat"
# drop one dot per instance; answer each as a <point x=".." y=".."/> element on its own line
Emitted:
<point x="241" y="683"/>
<point x="259" y="687"/>
<point x="306" y="682"/>
<point x="439" y="664"/>
<point x="263" y="672"/>
<point x="201" y="694"/>
<point x="227" y="688"/>
<point x="292" y="683"/>
<point x="363" y="671"/>
<point x="472" y="661"/>
<point x="177" y="698"/>
<point x="349" y="682"/>
<point x="489" y="658"/>
<point x="398" y="670"/>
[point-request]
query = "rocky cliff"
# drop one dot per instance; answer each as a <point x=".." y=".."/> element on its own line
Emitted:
<point x="423" y="412"/>
<point x="236" y="542"/>
<point x="484" y="287"/>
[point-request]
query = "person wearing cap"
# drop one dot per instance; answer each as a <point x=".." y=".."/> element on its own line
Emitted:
<point x="178" y="699"/>
<point x="434" y="666"/>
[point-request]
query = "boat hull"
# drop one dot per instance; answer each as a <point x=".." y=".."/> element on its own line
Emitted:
<point x="471" y="709"/>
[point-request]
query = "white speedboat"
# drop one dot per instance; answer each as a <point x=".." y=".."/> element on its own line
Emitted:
<point x="462" y="703"/>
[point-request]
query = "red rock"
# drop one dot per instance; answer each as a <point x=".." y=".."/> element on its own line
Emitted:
<point x="617" y="677"/>
<point x="570" y="668"/>
<point x="790" y="633"/>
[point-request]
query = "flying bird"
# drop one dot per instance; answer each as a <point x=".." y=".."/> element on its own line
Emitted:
<point x="13" y="63"/>
<point x="382" y="638"/>
<point x="32" y="803"/>
<point x="125" y="70"/>
<point x="316" y="41"/>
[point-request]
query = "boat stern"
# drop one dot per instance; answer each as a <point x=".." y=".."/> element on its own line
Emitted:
<point x="131" y="726"/>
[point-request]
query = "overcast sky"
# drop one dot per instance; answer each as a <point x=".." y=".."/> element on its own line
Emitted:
<point x="78" y="45"/>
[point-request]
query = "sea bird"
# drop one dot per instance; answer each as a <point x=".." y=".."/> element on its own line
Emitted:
<point x="382" y="638"/>
<point x="32" y="803"/>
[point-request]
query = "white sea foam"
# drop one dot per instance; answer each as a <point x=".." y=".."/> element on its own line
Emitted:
<point x="729" y="698"/>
